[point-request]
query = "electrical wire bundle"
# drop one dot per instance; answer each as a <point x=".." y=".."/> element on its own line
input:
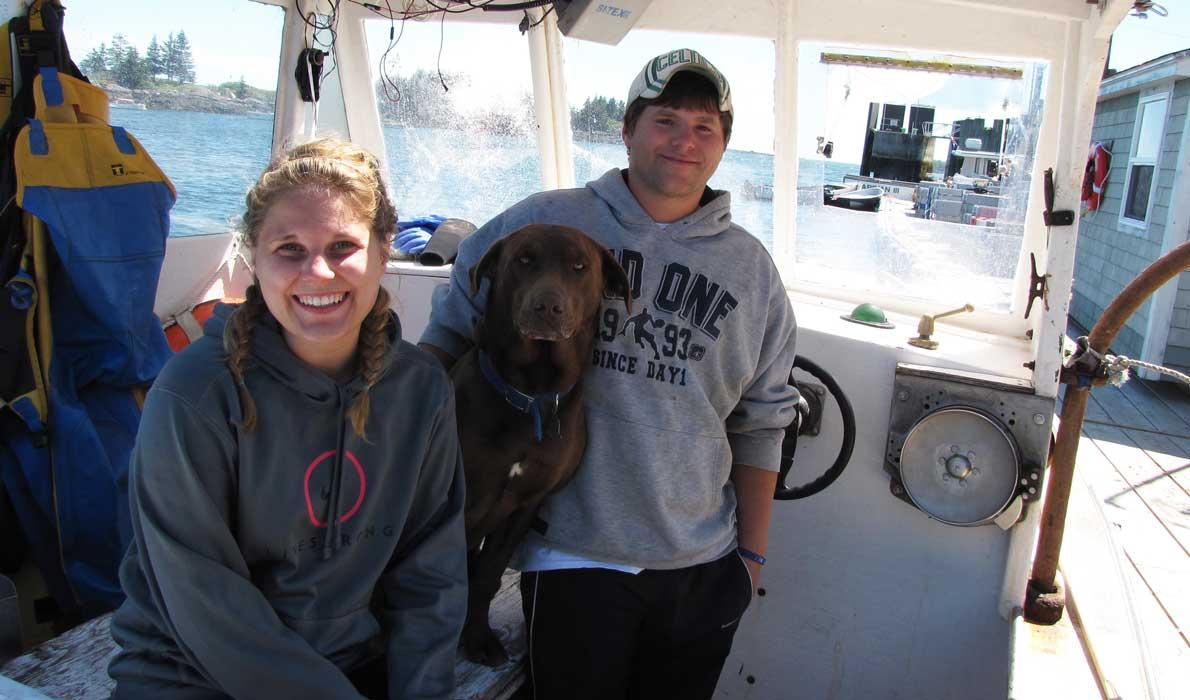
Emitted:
<point x="410" y="9"/>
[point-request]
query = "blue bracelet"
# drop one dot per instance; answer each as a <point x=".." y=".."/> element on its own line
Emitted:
<point x="749" y="554"/>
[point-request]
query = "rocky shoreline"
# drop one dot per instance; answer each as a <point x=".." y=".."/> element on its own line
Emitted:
<point x="221" y="100"/>
<point x="187" y="98"/>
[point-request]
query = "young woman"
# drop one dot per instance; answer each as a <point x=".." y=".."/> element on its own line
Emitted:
<point x="296" y="486"/>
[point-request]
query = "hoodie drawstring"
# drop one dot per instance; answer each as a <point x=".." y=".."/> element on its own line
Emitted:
<point x="331" y="544"/>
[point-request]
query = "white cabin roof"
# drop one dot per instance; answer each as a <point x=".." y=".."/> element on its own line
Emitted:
<point x="1171" y="66"/>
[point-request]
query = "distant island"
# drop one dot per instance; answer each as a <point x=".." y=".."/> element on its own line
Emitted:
<point x="218" y="99"/>
<point x="163" y="78"/>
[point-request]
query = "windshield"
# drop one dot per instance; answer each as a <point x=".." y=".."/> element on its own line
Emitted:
<point x="597" y="80"/>
<point x="456" y="104"/>
<point x="920" y="175"/>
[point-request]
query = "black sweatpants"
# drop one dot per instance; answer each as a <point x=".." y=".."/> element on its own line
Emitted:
<point x="606" y="635"/>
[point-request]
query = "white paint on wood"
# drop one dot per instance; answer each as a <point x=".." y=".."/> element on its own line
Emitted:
<point x="354" y="72"/>
<point x="289" y="117"/>
<point x="785" y="160"/>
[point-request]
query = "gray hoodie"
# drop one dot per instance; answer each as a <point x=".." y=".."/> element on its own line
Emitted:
<point x="235" y="582"/>
<point x="693" y="380"/>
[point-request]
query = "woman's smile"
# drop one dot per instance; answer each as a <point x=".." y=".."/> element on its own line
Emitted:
<point x="319" y="270"/>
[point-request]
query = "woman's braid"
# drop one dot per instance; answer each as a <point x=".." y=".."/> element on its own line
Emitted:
<point x="373" y="348"/>
<point x="237" y="342"/>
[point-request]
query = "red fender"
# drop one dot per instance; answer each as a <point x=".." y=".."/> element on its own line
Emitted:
<point x="1095" y="178"/>
<point x="1102" y="166"/>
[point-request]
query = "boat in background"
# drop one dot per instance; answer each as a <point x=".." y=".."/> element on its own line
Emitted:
<point x="757" y="190"/>
<point x="852" y="197"/>
<point x="901" y="156"/>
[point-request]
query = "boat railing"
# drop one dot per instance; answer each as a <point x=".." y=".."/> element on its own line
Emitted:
<point x="936" y="129"/>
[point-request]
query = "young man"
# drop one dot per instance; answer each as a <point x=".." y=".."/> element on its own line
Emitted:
<point x="636" y="579"/>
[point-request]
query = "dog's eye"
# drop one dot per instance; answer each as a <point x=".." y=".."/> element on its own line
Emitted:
<point x="524" y="260"/>
<point x="579" y="267"/>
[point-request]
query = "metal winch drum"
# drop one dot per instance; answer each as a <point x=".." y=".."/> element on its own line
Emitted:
<point x="960" y="466"/>
<point x="965" y="448"/>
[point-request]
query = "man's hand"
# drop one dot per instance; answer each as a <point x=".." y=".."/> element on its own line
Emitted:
<point x="754" y="508"/>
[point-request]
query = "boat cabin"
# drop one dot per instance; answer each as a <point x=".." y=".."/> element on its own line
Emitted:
<point x="907" y="576"/>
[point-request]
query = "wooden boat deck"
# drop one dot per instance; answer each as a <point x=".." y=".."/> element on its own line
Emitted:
<point x="1132" y="488"/>
<point x="73" y="666"/>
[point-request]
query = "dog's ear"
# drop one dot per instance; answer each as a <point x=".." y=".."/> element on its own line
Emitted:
<point x="615" y="280"/>
<point x="486" y="267"/>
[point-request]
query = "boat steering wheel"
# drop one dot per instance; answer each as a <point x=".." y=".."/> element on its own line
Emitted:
<point x="789" y="447"/>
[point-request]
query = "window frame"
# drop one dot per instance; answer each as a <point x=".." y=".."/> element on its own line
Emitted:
<point x="1145" y="100"/>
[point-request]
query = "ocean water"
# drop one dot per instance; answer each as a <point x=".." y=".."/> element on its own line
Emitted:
<point x="212" y="159"/>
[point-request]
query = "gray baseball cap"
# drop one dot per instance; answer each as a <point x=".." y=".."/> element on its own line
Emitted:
<point x="656" y="75"/>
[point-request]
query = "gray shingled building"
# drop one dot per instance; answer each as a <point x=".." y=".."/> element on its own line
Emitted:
<point x="1142" y="119"/>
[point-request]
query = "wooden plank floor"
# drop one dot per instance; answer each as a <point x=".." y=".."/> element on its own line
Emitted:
<point x="1133" y="468"/>
<point x="73" y="666"/>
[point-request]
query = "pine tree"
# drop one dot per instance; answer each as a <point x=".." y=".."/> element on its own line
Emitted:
<point x="598" y="115"/>
<point x="154" y="59"/>
<point x="169" y="57"/>
<point x="417" y="100"/>
<point x="241" y="89"/>
<point x="96" y="61"/>
<point x="130" y="71"/>
<point x="115" y="54"/>
<point x="184" y="65"/>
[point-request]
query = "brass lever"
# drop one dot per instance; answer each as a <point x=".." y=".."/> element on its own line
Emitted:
<point x="925" y="327"/>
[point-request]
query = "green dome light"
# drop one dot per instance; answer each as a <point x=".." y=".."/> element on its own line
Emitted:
<point x="869" y="315"/>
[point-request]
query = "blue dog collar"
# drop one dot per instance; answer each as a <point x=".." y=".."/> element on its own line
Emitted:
<point x="543" y="407"/>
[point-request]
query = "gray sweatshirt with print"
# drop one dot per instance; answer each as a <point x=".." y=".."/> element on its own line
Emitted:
<point x="693" y="380"/>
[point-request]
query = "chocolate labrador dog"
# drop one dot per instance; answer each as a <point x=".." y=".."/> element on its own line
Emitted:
<point x="519" y="396"/>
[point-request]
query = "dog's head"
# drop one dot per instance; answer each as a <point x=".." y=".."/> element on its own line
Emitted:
<point x="549" y="281"/>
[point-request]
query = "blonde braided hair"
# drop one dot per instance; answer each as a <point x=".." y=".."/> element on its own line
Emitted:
<point x="237" y="341"/>
<point x="373" y="348"/>
<point x="333" y="166"/>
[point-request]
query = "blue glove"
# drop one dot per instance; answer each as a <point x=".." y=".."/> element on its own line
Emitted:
<point x="411" y="241"/>
<point x="429" y="223"/>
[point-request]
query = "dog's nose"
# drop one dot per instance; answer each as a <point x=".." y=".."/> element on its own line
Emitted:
<point x="547" y="305"/>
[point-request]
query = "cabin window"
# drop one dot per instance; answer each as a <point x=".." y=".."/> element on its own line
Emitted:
<point x="1144" y="156"/>
<point x="914" y="174"/>
<point x="195" y="83"/>
<point x="456" y="105"/>
<point x="597" y="81"/>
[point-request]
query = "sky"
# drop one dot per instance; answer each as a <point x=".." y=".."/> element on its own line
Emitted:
<point x="234" y="38"/>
